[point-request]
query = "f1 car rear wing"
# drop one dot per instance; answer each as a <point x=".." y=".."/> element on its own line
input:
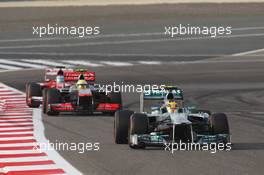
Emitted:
<point x="160" y="94"/>
<point x="70" y="74"/>
<point x="74" y="76"/>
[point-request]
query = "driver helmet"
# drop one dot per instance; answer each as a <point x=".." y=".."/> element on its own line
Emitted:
<point x="60" y="77"/>
<point x="171" y="106"/>
<point x="81" y="84"/>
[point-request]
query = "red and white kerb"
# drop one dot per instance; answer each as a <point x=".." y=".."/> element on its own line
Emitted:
<point x="18" y="152"/>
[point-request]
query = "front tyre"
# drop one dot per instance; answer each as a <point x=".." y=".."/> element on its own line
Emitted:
<point x="219" y="124"/>
<point x="53" y="96"/>
<point x="33" y="90"/>
<point x="121" y="124"/>
<point x="139" y="125"/>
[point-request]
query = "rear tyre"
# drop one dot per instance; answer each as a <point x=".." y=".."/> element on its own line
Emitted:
<point x="219" y="124"/>
<point x="138" y="125"/>
<point x="121" y="124"/>
<point x="53" y="96"/>
<point x="44" y="101"/>
<point x="115" y="97"/>
<point x="33" y="90"/>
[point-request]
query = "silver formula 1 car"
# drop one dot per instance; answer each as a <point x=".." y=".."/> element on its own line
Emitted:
<point x="168" y="121"/>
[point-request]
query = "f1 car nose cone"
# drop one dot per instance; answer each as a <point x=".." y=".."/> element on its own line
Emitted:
<point x="179" y="118"/>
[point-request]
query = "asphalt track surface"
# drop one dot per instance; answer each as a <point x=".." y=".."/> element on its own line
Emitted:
<point x="231" y="85"/>
<point x="141" y="29"/>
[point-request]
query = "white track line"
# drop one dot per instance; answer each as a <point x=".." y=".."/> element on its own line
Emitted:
<point x="130" y="41"/>
<point x="11" y="133"/>
<point x="7" y="67"/>
<point x="47" y="62"/>
<point x="116" y="54"/>
<point x="150" y="62"/>
<point x="17" y="138"/>
<point x="121" y="35"/>
<point x="19" y="151"/>
<point x="14" y="124"/>
<point x="14" y="113"/>
<point x="116" y="63"/>
<point x="16" y="103"/>
<point x="33" y="167"/>
<point x="22" y="159"/>
<point x="17" y="120"/>
<point x="9" y="97"/>
<point x="16" y="96"/>
<point x="11" y="93"/>
<point x="81" y="62"/>
<point x="14" y="116"/>
<point x="17" y="145"/>
<point x="16" y="128"/>
<point x="19" y="64"/>
<point x="248" y="28"/>
<point x="1" y="93"/>
<point x="18" y="117"/>
<point x="110" y="54"/>
<point x="18" y="109"/>
<point x="248" y="52"/>
<point x="13" y="96"/>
